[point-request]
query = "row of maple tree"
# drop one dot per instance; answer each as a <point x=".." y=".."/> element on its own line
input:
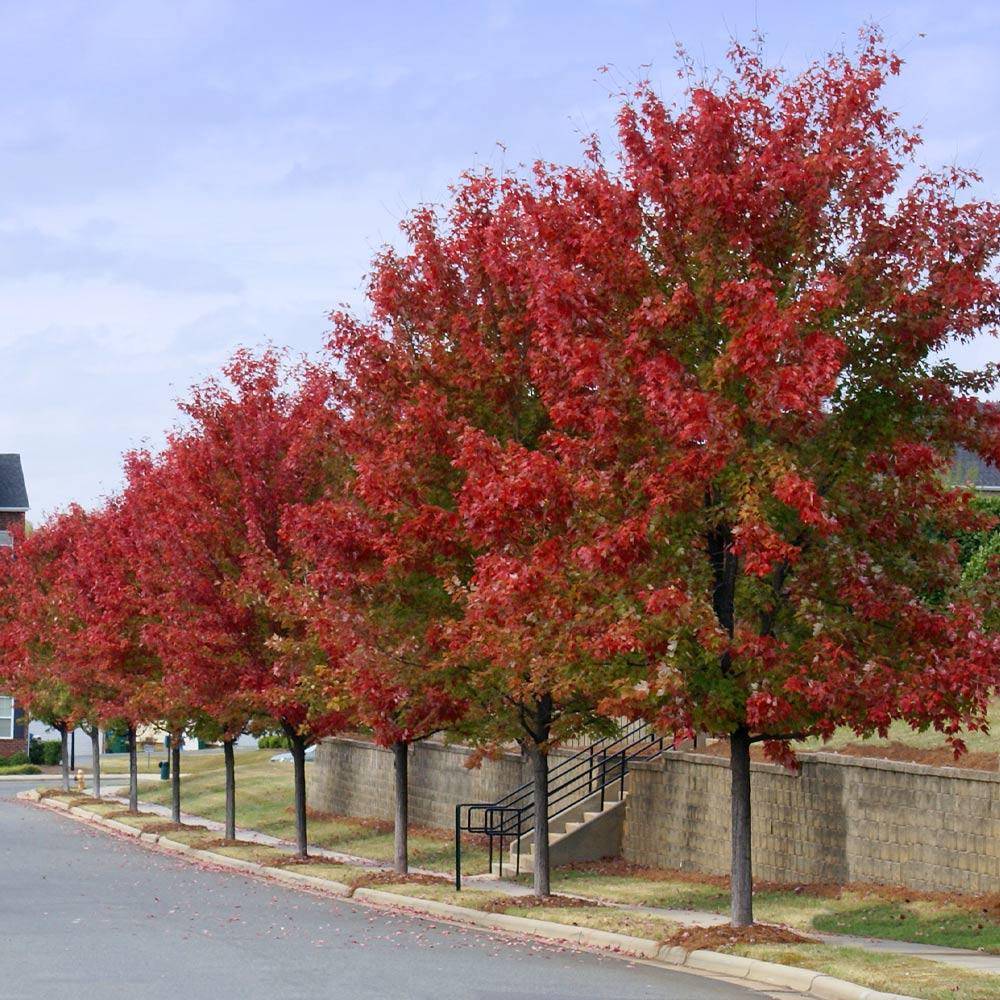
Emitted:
<point x="664" y="439"/>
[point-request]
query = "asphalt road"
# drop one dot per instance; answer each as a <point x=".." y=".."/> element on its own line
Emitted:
<point x="81" y="909"/>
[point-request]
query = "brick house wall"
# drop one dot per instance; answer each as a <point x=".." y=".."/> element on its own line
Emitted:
<point x="19" y="744"/>
<point x="9" y="518"/>
<point x="13" y="505"/>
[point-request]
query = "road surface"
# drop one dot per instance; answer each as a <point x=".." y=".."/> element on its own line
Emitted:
<point x="81" y="909"/>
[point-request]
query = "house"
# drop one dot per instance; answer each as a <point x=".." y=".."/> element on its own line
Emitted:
<point x="973" y="471"/>
<point x="13" y="507"/>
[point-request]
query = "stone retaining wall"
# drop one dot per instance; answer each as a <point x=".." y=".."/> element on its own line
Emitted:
<point x="355" y="778"/>
<point x="841" y="819"/>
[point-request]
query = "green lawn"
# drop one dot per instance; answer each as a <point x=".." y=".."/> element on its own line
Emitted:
<point x="264" y="802"/>
<point x="851" y="912"/>
<point x="13" y="769"/>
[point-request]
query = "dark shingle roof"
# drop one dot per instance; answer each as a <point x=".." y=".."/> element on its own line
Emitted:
<point x="13" y="495"/>
<point x="973" y="471"/>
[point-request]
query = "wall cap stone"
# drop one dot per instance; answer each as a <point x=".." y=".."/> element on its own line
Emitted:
<point x="823" y="757"/>
<point x="454" y="748"/>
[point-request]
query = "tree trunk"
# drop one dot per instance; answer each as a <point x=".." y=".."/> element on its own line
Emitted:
<point x="95" y="770"/>
<point x="227" y="750"/>
<point x="133" y="772"/>
<point x="540" y="778"/>
<point x="175" y="776"/>
<point x="741" y="872"/>
<point x="64" y="759"/>
<point x="400" y="751"/>
<point x="298" y="747"/>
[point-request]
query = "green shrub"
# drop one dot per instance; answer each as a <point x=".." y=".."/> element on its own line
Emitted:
<point x="273" y="741"/>
<point x="14" y="759"/>
<point x="44" y="751"/>
<point x="6" y="770"/>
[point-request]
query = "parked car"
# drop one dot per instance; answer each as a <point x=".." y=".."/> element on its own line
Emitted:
<point x="286" y="757"/>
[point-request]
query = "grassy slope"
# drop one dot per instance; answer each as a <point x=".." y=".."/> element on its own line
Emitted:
<point x="264" y="799"/>
<point x="928" y="740"/>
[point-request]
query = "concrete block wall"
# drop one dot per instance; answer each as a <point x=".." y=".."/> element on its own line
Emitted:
<point x="840" y="819"/>
<point x="355" y="778"/>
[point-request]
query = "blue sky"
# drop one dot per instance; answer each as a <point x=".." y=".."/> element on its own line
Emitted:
<point x="181" y="177"/>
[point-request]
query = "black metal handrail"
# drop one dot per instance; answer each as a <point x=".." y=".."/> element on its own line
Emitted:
<point x="574" y="779"/>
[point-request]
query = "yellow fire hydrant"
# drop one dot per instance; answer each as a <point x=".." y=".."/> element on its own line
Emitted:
<point x="79" y="779"/>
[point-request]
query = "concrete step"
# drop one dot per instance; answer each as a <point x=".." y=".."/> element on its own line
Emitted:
<point x="592" y="835"/>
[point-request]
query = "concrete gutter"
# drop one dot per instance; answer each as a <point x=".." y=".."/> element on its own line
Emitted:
<point x="732" y="967"/>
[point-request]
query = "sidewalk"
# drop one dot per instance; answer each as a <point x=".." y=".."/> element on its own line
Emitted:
<point x="960" y="958"/>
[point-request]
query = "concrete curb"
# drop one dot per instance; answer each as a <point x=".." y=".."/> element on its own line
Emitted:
<point x="734" y="967"/>
<point x="717" y="963"/>
<point x="322" y="884"/>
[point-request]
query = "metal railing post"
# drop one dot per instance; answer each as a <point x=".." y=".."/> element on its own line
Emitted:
<point x="517" y="864"/>
<point x="571" y="783"/>
<point x="458" y="848"/>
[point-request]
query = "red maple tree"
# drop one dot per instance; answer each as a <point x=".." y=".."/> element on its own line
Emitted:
<point x="458" y="520"/>
<point x="739" y="338"/>
<point x="219" y="579"/>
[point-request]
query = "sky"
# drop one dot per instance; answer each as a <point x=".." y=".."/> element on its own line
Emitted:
<point x="179" y="178"/>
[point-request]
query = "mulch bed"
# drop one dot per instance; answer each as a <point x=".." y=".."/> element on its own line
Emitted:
<point x="713" y="938"/>
<point x="974" y="760"/>
<point x="293" y="860"/>
<point x="943" y="756"/>
<point x="168" y="827"/>
<point x="210" y="842"/>
<point x="118" y="813"/>
<point x="370" y="879"/>
<point x="542" y="902"/>
<point x="49" y="793"/>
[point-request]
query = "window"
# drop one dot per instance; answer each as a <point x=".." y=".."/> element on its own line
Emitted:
<point x="6" y="717"/>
